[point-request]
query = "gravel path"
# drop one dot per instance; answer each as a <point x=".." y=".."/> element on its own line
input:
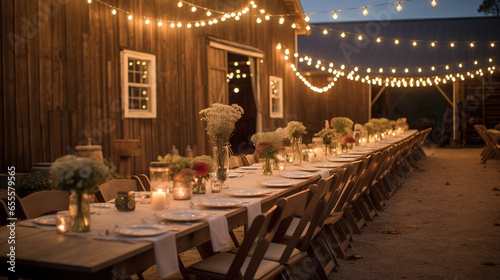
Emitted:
<point x="448" y="213"/>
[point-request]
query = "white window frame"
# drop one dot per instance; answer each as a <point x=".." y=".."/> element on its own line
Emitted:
<point x="133" y="113"/>
<point x="279" y="113"/>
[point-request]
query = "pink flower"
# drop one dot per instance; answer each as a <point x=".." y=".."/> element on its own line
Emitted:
<point x="331" y="122"/>
<point x="201" y="168"/>
<point x="266" y="149"/>
<point x="349" y="139"/>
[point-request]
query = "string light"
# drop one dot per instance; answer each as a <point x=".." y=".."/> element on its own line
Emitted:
<point x="342" y="35"/>
<point x="113" y="11"/>
<point x="335" y="16"/>
<point x="160" y="23"/>
<point x="365" y="11"/>
<point x="325" y="31"/>
<point x="492" y="45"/>
<point x="452" y="44"/>
<point x="399" y="7"/>
<point x="193" y="9"/>
<point x="433" y="3"/>
<point x="433" y="44"/>
<point x="129" y="17"/>
<point x="379" y="40"/>
<point x="209" y="13"/>
<point x="89" y="1"/>
<point x="396" y="41"/>
<point x="259" y="20"/>
<point x="147" y="21"/>
<point x="179" y="4"/>
<point x="282" y="20"/>
<point x="307" y="19"/>
<point x="360" y="37"/>
<point x="471" y="45"/>
<point x="414" y="43"/>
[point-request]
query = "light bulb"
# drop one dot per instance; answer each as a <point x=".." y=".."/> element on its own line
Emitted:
<point x="294" y="25"/>
<point x="379" y="40"/>
<point x="471" y="45"/>
<point x="160" y="23"/>
<point x="129" y="17"/>
<point x="179" y="25"/>
<point x="282" y="20"/>
<point x="209" y="13"/>
<point x="447" y="67"/>
<point x="368" y="70"/>
<point x="278" y="46"/>
<point x="492" y="44"/>
<point x="179" y="4"/>
<point x="307" y="19"/>
<point x="325" y="31"/>
<point x="90" y="1"/>
<point x="414" y="43"/>
<point x="419" y="69"/>
<point x="434" y="3"/>
<point x="342" y="35"/>
<point x="267" y="17"/>
<point x="396" y="41"/>
<point x="460" y="65"/>
<point x="406" y="70"/>
<point x="490" y="60"/>
<point x="433" y="44"/>
<point x="399" y="7"/>
<point x="193" y="9"/>
<point x="308" y="27"/>
<point x="452" y="45"/>
<point x="360" y="37"/>
<point x="259" y="20"/>
<point x="147" y="21"/>
<point x="335" y="15"/>
<point x="365" y="11"/>
<point x="113" y="12"/>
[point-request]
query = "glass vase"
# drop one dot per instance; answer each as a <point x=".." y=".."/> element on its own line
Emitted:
<point x="328" y="150"/>
<point x="221" y="160"/>
<point x="182" y="190"/>
<point x="79" y="211"/>
<point x="297" y="150"/>
<point x="267" y="167"/>
<point x="200" y="185"/>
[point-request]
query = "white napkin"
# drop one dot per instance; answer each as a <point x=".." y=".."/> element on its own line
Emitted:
<point x="324" y="174"/>
<point x="218" y="232"/>
<point x="253" y="209"/>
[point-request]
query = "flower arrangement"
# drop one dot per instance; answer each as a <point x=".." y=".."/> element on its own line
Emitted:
<point x="207" y="167"/>
<point x="377" y="125"/>
<point x="386" y="124"/>
<point x="221" y="120"/>
<point x="273" y="137"/>
<point x="267" y="150"/>
<point x="342" y="125"/>
<point x="295" y="129"/>
<point x="393" y="124"/>
<point x="349" y="139"/>
<point x="358" y="127"/>
<point x="327" y="133"/>
<point x="80" y="174"/>
<point x="176" y="164"/>
<point x="370" y="128"/>
<point x="401" y="122"/>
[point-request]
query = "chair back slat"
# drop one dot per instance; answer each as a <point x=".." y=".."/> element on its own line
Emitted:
<point x="109" y="189"/>
<point x="43" y="202"/>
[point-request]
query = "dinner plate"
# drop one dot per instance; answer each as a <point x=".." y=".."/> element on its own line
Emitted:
<point x="141" y="230"/>
<point x="221" y="203"/>
<point x="275" y="183"/>
<point x="340" y="159"/>
<point x="249" y="167"/>
<point x="183" y="216"/>
<point x="234" y="174"/>
<point x="47" y="220"/>
<point x="102" y="205"/>
<point x="296" y="175"/>
<point x="310" y="169"/>
<point x="329" y="165"/>
<point x="248" y="193"/>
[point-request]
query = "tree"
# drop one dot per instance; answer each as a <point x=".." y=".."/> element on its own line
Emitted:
<point x="490" y="7"/>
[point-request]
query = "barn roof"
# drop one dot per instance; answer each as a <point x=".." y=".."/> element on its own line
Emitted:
<point x="368" y="53"/>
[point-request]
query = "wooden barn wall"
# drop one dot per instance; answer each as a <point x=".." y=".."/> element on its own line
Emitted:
<point x="61" y="75"/>
<point x="345" y="99"/>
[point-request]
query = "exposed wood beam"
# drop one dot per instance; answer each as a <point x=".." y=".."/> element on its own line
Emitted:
<point x="444" y="95"/>
<point x="378" y="95"/>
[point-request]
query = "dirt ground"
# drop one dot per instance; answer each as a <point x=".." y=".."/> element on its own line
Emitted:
<point x="448" y="218"/>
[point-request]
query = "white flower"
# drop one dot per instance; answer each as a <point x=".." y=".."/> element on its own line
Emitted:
<point x="85" y="172"/>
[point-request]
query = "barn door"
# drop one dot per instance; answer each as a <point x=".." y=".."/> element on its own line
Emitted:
<point x="217" y="76"/>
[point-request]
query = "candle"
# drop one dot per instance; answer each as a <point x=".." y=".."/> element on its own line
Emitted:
<point x="312" y="158"/>
<point x="216" y="186"/>
<point x="62" y="223"/>
<point x="159" y="200"/>
<point x="182" y="190"/>
<point x="281" y="165"/>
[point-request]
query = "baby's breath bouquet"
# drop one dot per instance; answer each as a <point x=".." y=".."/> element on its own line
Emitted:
<point x="275" y="137"/>
<point x="342" y="125"/>
<point x="370" y="128"/>
<point x="377" y="125"/>
<point x="221" y="120"/>
<point x="401" y="122"/>
<point x="327" y="133"/>
<point x="176" y="164"/>
<point x="296" y="129"/>
<point x="79" y="173"/>
<point x="82" y="177"/>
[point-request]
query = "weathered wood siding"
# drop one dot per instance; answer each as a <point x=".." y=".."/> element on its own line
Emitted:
<point x="61" y="75"/>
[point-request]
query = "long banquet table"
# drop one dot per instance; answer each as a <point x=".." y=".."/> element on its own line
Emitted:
<point x="40" y="252"/>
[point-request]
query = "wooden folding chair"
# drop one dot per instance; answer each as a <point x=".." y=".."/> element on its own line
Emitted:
<point x="235" y="161"/>
<point x="351" y="211"/>
<point x="248" y="262"/>
<point x="44" y="202"/>
<point x="108" y="190"/>
<point x="249" y="159"/>
<point x="492" y="147"/>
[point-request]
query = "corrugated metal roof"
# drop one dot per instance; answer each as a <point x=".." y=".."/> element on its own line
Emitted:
<point x="367" y="53"/>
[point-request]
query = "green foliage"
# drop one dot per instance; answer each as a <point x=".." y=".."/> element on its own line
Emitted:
<point x="36" y="182"/>
<point x="490" y="7"/>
